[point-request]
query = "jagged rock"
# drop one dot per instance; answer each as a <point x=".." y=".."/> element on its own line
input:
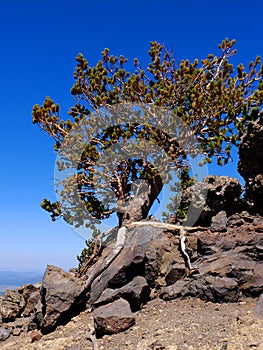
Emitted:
<point x="147" y="252"/>
<point x="235" y="220"/>
<point x="62" y="297"/>
<point x="258" y="312"/>
<point x="253" y="285"/>
<point x="31" y="295"/>
<point x="135" y="292"/>
<point x="219" y="222"/>
<point x="229" y="263"/>
<point x="120" y="272"/>
<point x="250" y="151"/>
<point x="210" y="288"/>
<point x="250" y="164"/>
<point x="206" y="244"/>
<point x="113" y="318"/>
<point x="4" y="333"/>
<point x="225" y="290"/>
<point x="12" y="305"/>
<point x="175" y="272"/>
<point x="158" y="256"/>
<point x="37" y="319"/>
<point x="254" y="193"/>
<point x="212" y="195"/>
<point x="19" y="302"/>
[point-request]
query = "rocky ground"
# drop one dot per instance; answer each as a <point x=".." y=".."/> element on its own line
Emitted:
<point x="146" y="297"/>
<point x="229" y="282"/>
<point x="163" y="325"/>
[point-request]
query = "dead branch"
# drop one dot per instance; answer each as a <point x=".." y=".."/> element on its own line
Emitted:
<point x="93" y="338"/>
<point x="121" y="236"/>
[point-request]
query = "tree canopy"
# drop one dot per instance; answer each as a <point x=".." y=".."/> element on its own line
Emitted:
<point x="213" y="98"/>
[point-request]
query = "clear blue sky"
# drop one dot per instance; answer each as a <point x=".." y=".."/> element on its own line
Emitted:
<point x="39" y="42"/>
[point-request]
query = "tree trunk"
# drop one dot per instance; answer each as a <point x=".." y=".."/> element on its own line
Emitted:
<point x="137" y="209"/>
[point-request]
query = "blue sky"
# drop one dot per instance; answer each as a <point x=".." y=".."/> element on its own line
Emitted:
<point x="39" y="42"/>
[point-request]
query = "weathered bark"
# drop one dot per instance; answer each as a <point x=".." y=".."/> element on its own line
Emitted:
<point x="138" y="208"/>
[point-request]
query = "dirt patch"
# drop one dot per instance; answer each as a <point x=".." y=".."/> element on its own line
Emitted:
<point x="163" y="325"/>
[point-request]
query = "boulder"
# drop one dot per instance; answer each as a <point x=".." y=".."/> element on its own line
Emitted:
<point x="113" y="318"/>
<point x="62" y="297"/>
<point x="209" y="288"/>
<point x="225" y="290"/>
<point x="121" y="271"/>
<point x="135" y="292"/>
<point x="147" y="252"/>
<point x="211" y="196"/>
<point x="254" y="193"/>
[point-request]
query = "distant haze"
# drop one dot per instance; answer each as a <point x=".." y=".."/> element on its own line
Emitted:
<point x="15" y="279"/>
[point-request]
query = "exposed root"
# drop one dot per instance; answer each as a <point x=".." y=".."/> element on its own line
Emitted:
<point x="185" y="255"/>
<point x="93" y="338"/>
<point x="89" y="261"/>
<point x="97" y="249"/>
<point x="121" y="236"/>
<point x="182" y="237"/>
<point x="167" y="226"/>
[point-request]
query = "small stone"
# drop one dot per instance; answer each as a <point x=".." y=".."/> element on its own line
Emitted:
<point x="224" y="346"/>
<point x="16" y="331"/>
<point x="254" y="344"/>
<point x="4" y="333"/>
<point x="219" y="222"/>
<point x="158" y="332"/>
<point x="258" y="311"/>
<point x="35" y="335"/>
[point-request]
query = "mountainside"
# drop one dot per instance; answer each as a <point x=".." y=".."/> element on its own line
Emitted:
<point x="219" y="307"/>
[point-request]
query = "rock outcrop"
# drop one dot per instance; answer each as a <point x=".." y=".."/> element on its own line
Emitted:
<point x="211" y="196"/>
<point x="250" y="164"/>
<point x="20" y="302"/>
<point x="227" y="257"/>
<point x="230" y="264"/>
<point x="147" y="252"/>
<point x="12" y="305"/>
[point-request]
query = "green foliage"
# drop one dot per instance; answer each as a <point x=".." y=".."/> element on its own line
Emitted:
<point x="88" y="250"/>
<point x="52" y="208"/>
<point x="176" y="205"/>
<point x="211" y="96"/>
